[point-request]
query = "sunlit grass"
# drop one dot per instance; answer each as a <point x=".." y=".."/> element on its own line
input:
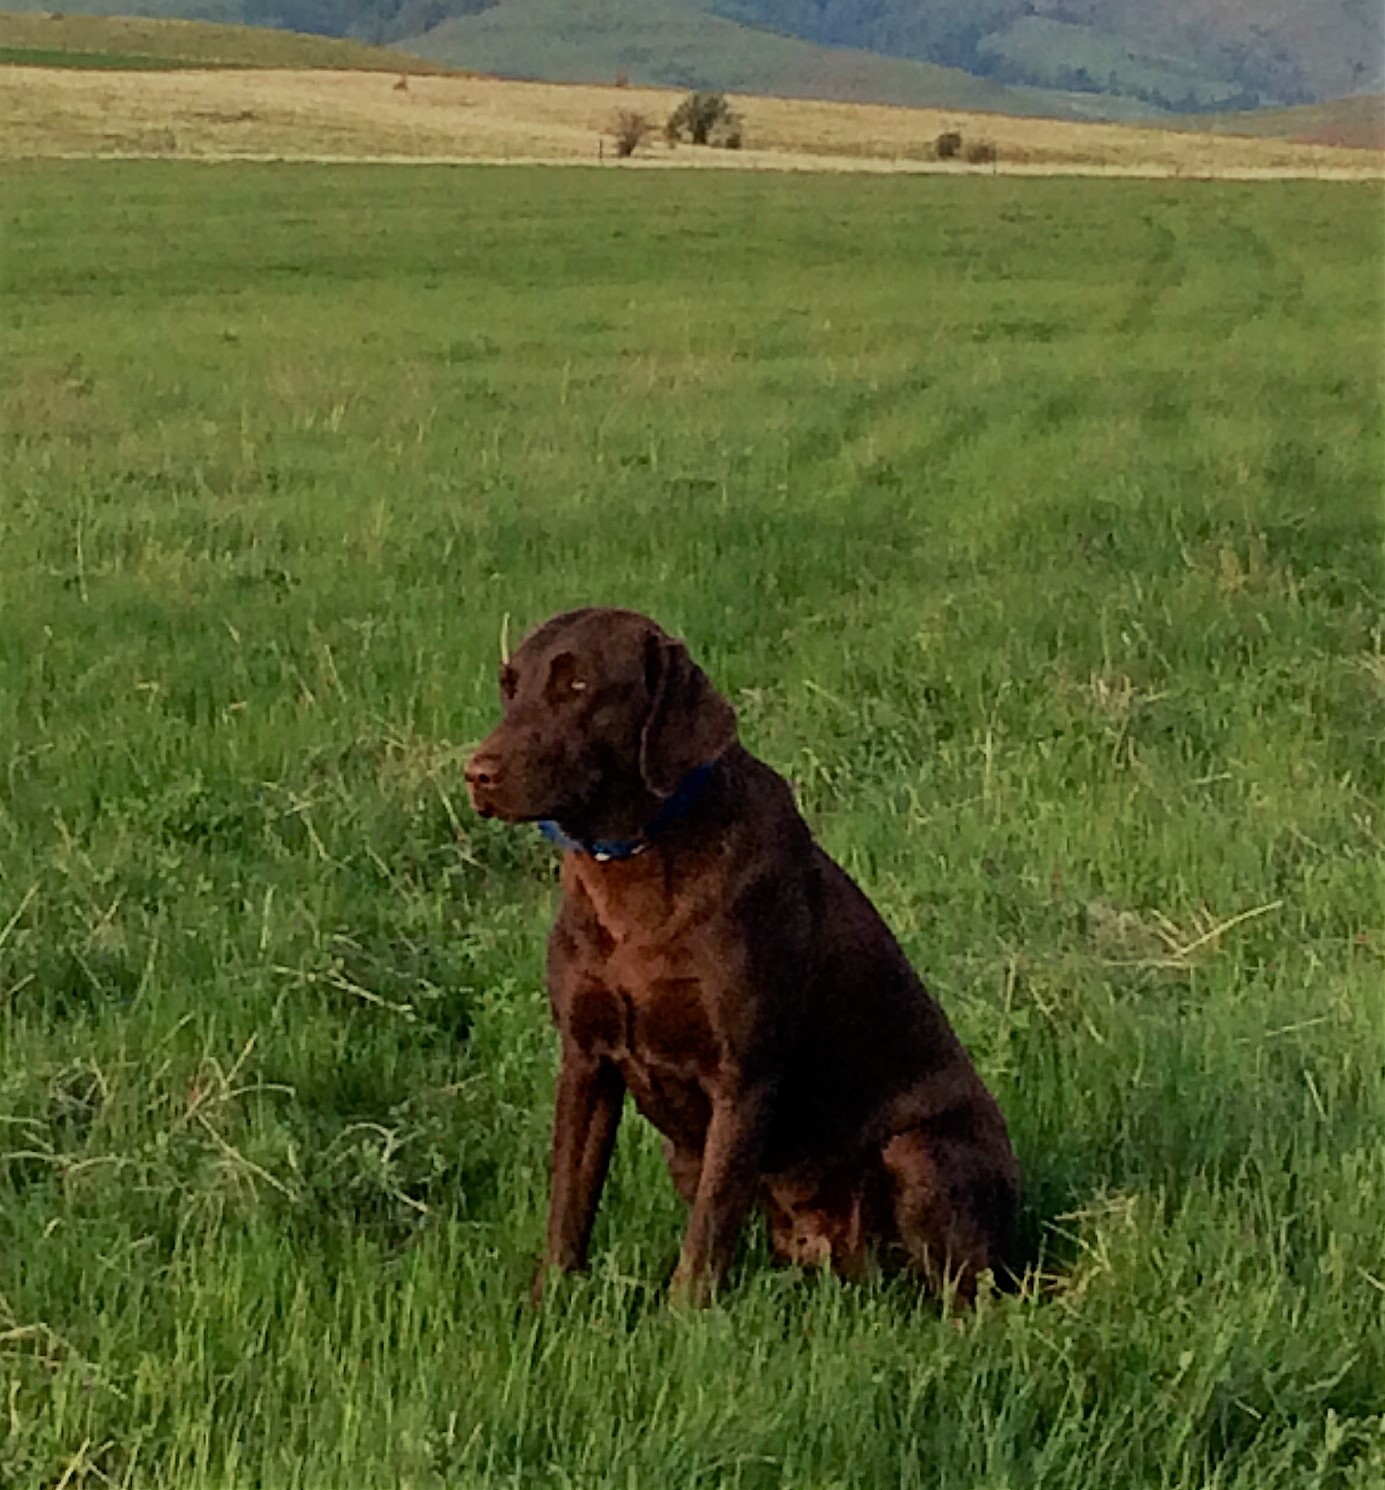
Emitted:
<point x="1034" y="529"/>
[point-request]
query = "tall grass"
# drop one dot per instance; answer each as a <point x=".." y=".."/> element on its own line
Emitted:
<point x="1035" y="530"/>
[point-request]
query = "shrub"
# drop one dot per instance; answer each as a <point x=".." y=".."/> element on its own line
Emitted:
<point x="630" y="130"/>
<point x="981" y="153"/>
<point x="948" y="145"/>
<point x="705" y="119"/>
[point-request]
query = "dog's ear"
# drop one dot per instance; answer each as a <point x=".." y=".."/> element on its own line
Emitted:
<point x="689" y="723"/>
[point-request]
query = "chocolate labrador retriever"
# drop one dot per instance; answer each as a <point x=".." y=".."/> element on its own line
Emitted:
<point x="712" y="961"/>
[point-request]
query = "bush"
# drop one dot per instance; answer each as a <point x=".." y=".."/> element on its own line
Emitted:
<point x="705" y="119"/>
<point x="948" y="145"/>
<point x="630" y="130"/>
<point x="981" y="153"/>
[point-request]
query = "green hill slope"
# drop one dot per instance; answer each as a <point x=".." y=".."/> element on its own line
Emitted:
<point x="665" y="43"/>
<point x="1061" y="54"/>
<point x="1178" y="52"/>
<point x="143" y="43"/>
<point x="1070" y="58"/>
<point x="1300" y="51"/>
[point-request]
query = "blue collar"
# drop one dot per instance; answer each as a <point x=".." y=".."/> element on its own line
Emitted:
<point x="604" y="850"/>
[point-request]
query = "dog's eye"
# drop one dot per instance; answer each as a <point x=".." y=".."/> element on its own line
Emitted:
<point x="564" y="679"/>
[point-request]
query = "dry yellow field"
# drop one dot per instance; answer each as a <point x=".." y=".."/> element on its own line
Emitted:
<point x="319" y="115"/>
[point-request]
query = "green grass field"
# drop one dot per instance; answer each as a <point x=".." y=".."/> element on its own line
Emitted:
<point x="1035" y="529"/>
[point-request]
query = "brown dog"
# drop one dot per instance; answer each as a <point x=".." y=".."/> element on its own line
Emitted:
<point x="711" y="960"/>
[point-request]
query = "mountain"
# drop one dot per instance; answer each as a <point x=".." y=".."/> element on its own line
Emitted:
<point x="670" y="43"/>
<point x="125" y="44"/>
<point x="1171" y="53"/>
<point x="1111" y="58"/>
<point x="1298" y="51"/>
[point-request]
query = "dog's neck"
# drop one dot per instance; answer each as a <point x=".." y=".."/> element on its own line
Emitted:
<point x="604" y="848"/>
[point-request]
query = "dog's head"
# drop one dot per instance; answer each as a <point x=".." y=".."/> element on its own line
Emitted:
<point x="604" y="715"/>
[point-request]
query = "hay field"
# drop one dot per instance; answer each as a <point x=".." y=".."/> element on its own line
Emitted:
<point x="320" y="115"/>
<point x="1357" y="122"/>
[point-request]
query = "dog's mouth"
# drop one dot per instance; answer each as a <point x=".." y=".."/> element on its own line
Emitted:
<point x="493" y="803"/>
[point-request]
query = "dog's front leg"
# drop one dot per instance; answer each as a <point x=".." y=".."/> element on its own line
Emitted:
<point x="585" y="1118"/>
<point x="726" y="1189"/>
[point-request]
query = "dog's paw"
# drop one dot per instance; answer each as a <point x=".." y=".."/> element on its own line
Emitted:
<point x="540" y="1284"/>
<point x="689" y="1289"/>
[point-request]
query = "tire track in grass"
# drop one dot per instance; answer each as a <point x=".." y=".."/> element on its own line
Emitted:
<point x="1159" y="275"/>
<point x="1279" y="278"/>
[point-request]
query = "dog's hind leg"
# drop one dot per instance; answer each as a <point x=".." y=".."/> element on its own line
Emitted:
<point x="954" y="1207"/>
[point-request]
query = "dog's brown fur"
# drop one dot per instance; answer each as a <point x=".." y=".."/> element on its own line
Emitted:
<point x="734" y="981"/>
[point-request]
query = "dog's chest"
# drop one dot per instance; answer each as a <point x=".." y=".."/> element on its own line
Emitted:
<point x="659" y="1035"/>
<point x="657" y="1027"/>
<point x="641" y="990"/>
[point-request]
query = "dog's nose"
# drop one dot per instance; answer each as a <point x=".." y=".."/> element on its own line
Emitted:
<point x="482" y="769"/>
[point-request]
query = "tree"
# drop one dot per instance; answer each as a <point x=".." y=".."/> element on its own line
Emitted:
<point x="705" y="119"/>
<point x="630" y="130"/>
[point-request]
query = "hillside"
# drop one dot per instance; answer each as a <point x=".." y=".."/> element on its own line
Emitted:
<point x="667" y="43"/>
<point x="122" y="43"/>
<point x="333" y="114"/>
<point x="1084" y="58"/>
<point x="1357" y="123"/>
<point x="1299" y="51"/>
<point x="662" y="43"/>
<point x="1171" y="53"/>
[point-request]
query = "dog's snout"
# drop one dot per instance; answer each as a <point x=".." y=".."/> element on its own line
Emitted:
<point x="482" y="769"/>
<point x="482" y="772"/>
